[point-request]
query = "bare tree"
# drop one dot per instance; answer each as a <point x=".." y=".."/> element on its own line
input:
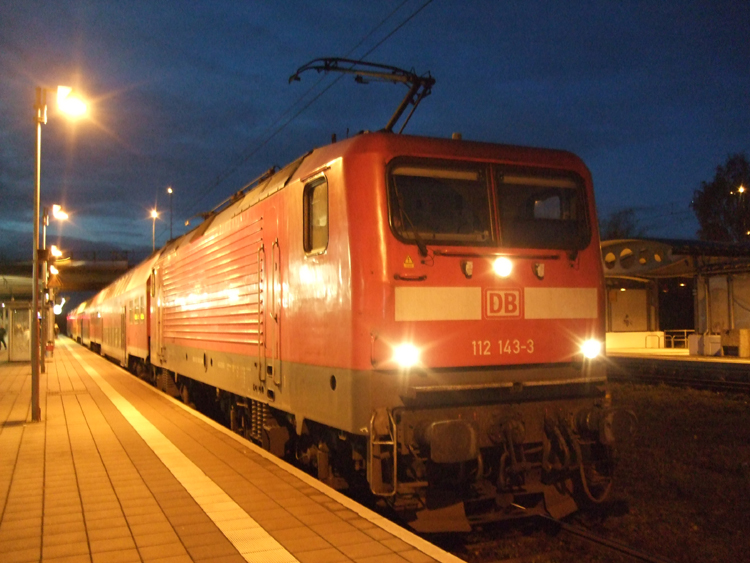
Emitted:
<point x="620" y="224"/>
<point x="722" y="205"/>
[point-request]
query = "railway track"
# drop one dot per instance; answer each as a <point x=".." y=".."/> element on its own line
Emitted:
<point x="563" y="536"/>
<point x="580" y="534"/>
<point x="727" y="377"/>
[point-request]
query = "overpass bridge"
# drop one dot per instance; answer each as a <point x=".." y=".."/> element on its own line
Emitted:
<point x="87" y="272"/>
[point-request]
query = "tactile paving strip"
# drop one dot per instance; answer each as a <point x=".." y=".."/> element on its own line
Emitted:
<point x="248" y="537"/>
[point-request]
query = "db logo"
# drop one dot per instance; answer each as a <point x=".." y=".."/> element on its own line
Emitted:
<point x="503" y="303"/>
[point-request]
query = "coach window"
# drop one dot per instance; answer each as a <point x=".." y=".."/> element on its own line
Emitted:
<point x="315" y="210"/>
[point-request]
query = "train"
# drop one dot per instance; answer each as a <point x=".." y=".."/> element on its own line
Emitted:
<point x="420" y="317"/>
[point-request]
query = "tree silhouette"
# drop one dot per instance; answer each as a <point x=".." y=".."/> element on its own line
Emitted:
<point x="722" y="205"/>
<point x="620" y="224"/>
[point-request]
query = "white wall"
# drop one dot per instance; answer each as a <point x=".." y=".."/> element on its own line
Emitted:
<point x="628" y="310"/>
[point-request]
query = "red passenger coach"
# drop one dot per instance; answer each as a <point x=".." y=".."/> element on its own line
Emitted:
<point x="423" y="315"/>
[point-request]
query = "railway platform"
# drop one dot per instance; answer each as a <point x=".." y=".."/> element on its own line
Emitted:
<point x="119" y="472"/>
<point x="676" y="366"/>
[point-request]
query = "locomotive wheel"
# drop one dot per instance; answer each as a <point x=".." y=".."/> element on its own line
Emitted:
<point x="595" y="485"/>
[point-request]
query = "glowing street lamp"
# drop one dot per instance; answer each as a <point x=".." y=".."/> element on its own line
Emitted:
<point x="58" y="307"/>
<point x="74" y="107"/>
<point x="69" y="104"/>
<point x="58" y="213"/>
<point x="154" y="215"/>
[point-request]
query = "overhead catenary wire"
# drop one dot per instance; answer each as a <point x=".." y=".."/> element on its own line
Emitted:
<point x="255" y="147"/>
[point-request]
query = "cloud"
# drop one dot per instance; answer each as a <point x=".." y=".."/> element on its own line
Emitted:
<point x="651" y="95"/>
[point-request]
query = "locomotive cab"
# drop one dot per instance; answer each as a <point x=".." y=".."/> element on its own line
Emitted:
<point x="486" y="339"/>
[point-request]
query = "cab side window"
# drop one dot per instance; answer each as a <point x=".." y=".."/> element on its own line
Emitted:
<point x="315" y="216"/>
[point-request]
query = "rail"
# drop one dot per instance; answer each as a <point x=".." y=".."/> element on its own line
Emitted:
<point x="727" y="376"/>
<point x="612" y="546"/>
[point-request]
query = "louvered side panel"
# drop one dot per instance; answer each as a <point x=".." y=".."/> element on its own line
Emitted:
<point x="213" y="288"/>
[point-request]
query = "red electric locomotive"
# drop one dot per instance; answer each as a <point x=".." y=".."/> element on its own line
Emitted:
<point x="425" y="315"/>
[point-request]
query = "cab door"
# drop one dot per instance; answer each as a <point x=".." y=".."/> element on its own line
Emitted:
<point x="272" y="312"/>
<point x="124" y="334"/>
<point x="157" y="344"/>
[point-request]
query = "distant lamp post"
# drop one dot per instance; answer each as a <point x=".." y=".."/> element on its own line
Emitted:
<point x="169" y="191"/>
<point x="60" y="215"/>
<point x="74" y="107"/>
<point x="154" y="215"/>
<point x="58" y="307"/>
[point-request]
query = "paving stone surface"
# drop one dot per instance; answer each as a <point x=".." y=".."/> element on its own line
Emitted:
<point x="117" y="472"/>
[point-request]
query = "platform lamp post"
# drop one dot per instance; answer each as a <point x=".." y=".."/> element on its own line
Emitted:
<point x="169" y="191"/>
<point x="154" y="215"/>
<point x="74" y="107"/>
<point x="59" y="215"/>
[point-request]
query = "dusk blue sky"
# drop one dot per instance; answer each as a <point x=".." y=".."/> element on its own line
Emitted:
<point x="652" y="95"/>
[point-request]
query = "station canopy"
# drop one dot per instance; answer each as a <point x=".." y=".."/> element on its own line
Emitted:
<point x="645" y="259"/>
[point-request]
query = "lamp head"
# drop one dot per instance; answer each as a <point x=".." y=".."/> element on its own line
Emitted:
<point x="70" y="104"/>
<point x="58" y="213"/>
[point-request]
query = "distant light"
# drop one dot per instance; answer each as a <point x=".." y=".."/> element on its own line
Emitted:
<point x="56" y="252"/>
<point x="154" y="213"/>
<point x="54" y="271"/>
<point x="682" y="285"/>
<point x="623" y="289"/>
<point x="591" y="348"/>
<point x="169" y="190"/>
<point x="406" y="355"/>
<point x="58" y="213"/>
<point x="69" y="104"/>
<point x="741" y="189"/>
<point x="503" y="267"/>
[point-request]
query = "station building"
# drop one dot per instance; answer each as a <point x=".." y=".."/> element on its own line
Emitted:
<point x="686" y="295"/>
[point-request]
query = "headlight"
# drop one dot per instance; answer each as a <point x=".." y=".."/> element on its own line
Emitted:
<point x="406" y="355"/>
<point x="503" y="267"/>
<point x="591" y="349"/>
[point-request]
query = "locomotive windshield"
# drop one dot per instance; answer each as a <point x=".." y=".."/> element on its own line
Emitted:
<point x="433" y="202"/>
<point x="440" y="204"/>
<point x="541" y="211"/>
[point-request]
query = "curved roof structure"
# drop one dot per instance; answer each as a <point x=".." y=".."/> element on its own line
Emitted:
<point x="645" y="259"/>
